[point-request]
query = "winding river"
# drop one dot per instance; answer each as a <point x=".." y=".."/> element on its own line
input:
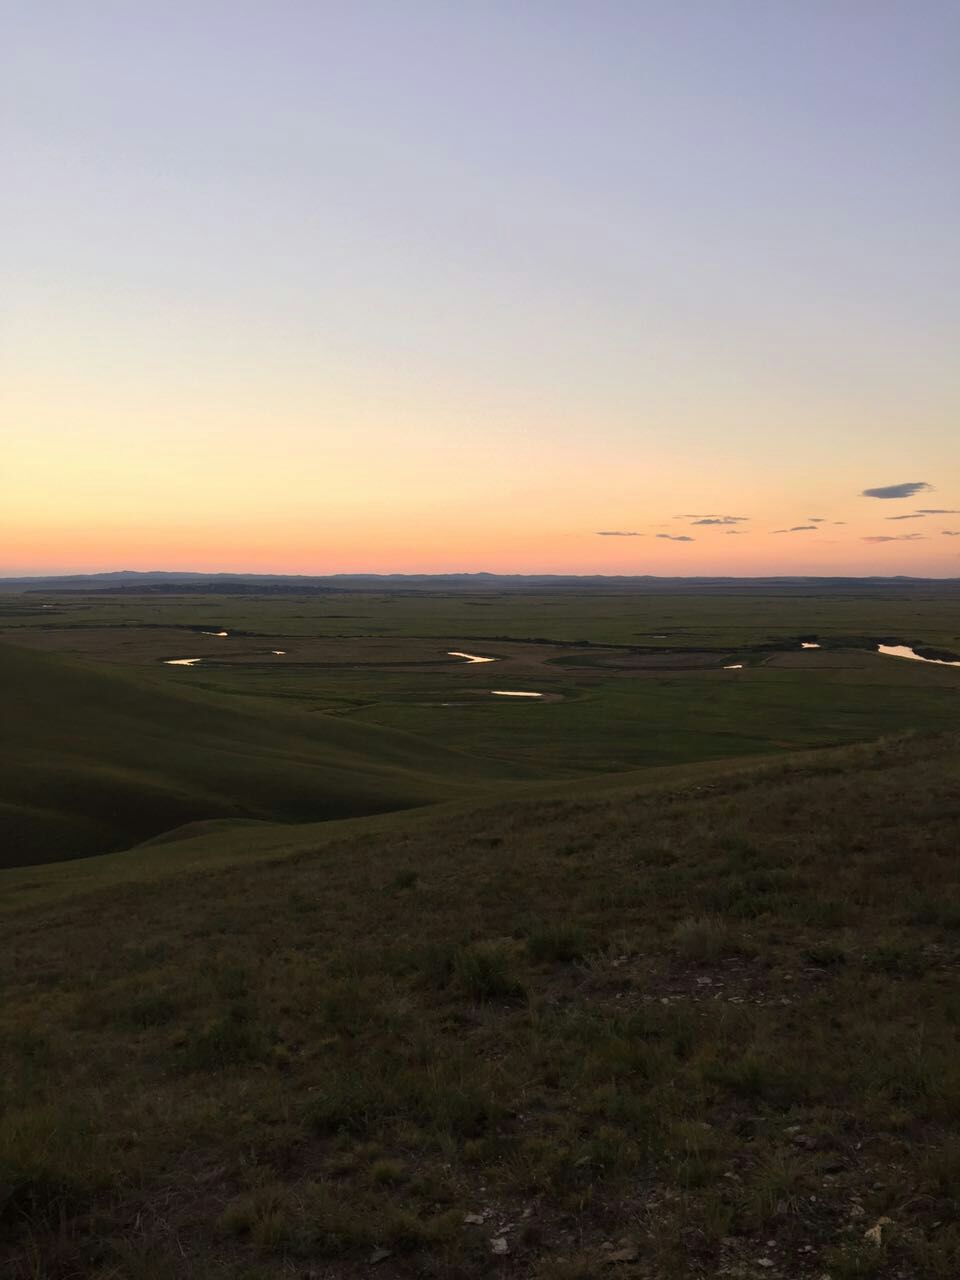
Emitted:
<point x="905" y="651"/>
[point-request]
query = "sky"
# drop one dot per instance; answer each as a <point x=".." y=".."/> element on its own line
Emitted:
<point x="325" y="287"/>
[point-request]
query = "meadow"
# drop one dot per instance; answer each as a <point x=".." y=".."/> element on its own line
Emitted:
<point x="364" y="969"/>
<point x="339" y="704"/>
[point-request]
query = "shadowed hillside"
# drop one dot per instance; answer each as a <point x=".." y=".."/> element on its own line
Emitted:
<point x="93" y="760"/>
<point x="698" y="1029"/>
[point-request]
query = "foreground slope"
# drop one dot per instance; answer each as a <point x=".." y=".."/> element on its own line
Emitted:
<point x="93" y="759"/>
<point x="704" y="1029"/>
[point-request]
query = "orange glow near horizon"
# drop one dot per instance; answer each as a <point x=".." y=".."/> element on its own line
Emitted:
<point x="258" y="482"/>
<point x="448" y="547"/>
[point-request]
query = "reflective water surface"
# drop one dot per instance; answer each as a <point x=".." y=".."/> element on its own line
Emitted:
<point x="181" y="662"/>
<point x="515" y="693"/>
<point x="470" y="657"/>
<point x="905" y="651"/>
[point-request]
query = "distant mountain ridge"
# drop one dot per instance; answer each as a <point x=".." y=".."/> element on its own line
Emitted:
<point x="159" y="581"/>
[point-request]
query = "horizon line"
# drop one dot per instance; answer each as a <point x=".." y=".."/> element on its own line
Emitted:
<point x="475" y="573"/>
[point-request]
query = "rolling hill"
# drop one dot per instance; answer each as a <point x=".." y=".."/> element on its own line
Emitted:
<point x="93" y="759"/>
<point x="701" y="1027"/>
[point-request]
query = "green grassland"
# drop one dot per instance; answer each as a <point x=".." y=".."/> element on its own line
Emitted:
<point x="94" y="759"/>
<point x="927" y="612"/>
<point x="330" y="961"/>
<point x="703" y="1026"/>
<point x="363" y="709"/>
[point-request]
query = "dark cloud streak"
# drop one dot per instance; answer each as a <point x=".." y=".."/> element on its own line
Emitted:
<point x="898" y="537"/>
<point x="905" y="490"/>
<point x="720" y="520"/>
<point x="710" y="515"/>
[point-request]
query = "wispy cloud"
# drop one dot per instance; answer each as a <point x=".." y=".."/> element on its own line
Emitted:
<point x="899" y="537"/>
<point x="798" y="528"/>
<point x="675" y="537"/>
<point x="922" y="512"/>
<point x="950" y="533"/>
<point x="720" y="520"/>
<point x="733" y="533"/>
<point x="905" y="490"/>
<point x="839" y="522"/>
<point x="619" y="533"/>
<point x="711" y="515"/>
<point x="816" y="519"/>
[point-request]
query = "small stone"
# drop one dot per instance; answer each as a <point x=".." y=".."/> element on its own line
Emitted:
<point x="765" y="1262"/>
<point x="499" y="1246"/>
<point x="378" y="1255"/>
<point x="874" y="1235"/>
<point x="628" y="1253"/>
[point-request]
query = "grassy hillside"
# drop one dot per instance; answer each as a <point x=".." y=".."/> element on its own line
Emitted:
<point x="93" y="758"/>
<point x="705" y="1027"/>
